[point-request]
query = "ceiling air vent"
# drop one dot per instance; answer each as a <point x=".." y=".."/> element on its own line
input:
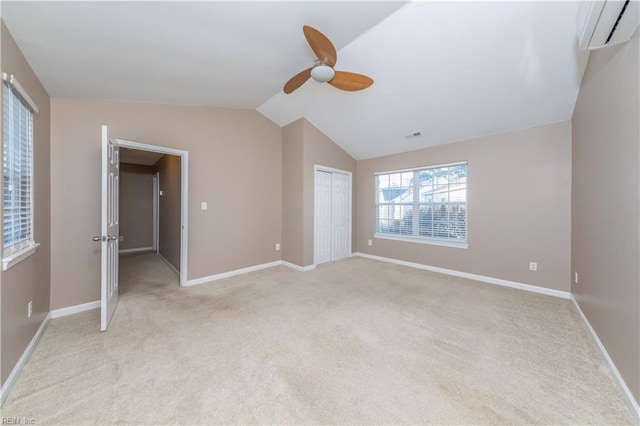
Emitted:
<point x="607" y="23"/>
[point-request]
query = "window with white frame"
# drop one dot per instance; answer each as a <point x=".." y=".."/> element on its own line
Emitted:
<point x="427" y="204"/>
<point x="17" y="171"/>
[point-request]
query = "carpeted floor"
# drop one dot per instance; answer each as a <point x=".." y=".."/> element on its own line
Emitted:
<point x="355" y="341"/>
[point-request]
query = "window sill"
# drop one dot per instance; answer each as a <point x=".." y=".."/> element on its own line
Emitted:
<point x="423" y="240"/>
<point x="19" y="256"/>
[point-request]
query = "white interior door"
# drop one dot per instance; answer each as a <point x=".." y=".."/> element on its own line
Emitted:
<point x="110" y="229"/>
<point x="340" y="220"/>
<point x="322" y="222"/>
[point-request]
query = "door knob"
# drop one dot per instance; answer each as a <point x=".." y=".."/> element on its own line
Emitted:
<point x="112" y="237"/>
<point x="97" y="238"/>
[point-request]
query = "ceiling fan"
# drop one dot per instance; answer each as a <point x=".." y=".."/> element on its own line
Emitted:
<point x="323" y="71"/>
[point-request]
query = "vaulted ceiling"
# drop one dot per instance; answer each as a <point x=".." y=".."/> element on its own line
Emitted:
<point x="450" y="70"/>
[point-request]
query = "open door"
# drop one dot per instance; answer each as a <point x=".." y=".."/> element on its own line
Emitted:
<point x="110" y="229"/>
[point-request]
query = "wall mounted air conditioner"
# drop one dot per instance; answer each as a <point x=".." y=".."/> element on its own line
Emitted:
<point x="606" y="23"/>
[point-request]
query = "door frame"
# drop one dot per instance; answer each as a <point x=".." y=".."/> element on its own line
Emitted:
<point x="332" y="170"/>
<point x="156" y="212"/>
<point x="184" y="196"/>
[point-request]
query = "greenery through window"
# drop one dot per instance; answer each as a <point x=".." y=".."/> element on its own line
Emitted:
<point x="425" y="203"/>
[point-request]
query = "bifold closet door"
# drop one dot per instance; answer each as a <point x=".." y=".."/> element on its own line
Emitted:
<point x="322" y="222"/>
<point x="340" y="216"/>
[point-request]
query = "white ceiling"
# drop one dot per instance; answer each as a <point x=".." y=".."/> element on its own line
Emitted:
<point x="451" y="70"/>
<point x="229" y="54"/>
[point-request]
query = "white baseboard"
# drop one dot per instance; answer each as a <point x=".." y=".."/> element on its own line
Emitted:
<point x="298" y="267"/>
<point x="135" y="250"/>
<point x="216" y="277"/>
<point x="633" y="404"/>
<point x="490" y="280"/>
<point x="6" y="387"/>
<point x="173" y="268"/>
<point x="70" y="310"/>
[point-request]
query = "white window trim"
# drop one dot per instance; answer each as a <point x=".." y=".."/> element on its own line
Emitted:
<point x="22" y="254"/>
<point x="424" y="240"/>
<point x="13" y="82"/>
<point x="19" y="256"/>
<point x="413" y="169"/>
<point x="463" y="244"/>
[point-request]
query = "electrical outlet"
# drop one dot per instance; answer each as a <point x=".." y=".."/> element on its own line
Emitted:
<point x="369" y="242"/>
<point x="277" y="247"/>
<point x="576" y="277"/>
<point x="29" y="309"/>
<point x="533" y="266"/>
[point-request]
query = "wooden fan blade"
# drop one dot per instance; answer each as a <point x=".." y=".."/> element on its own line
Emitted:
<point x="297" y="81"/>
<point x="321" y="46"/>
<point x="350" y="81"/>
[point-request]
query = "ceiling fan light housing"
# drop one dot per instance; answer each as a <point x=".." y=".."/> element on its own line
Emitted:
<point x="322" y="73"/>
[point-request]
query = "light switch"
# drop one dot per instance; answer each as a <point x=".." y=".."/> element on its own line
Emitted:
<point x="161" y="192"/>
<point x="203" y="205"/>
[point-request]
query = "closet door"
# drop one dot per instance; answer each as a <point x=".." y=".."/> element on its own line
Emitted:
<point x="322" y="223"/>
<point x="340" y="216"/>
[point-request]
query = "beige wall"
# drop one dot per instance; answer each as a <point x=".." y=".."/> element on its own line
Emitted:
<point x="136" y="206"/>
<point x="292" y="195"/>
<point x="29" y="279"/>
<point x="606" y="198"/>
<point x="170" y="208"/>
<point x="303" y="147"/>
<point x="519" y="200"/>
<point x="234" y="165"/>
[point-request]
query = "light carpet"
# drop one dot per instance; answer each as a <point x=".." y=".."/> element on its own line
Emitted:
<point x="351" y="342"/>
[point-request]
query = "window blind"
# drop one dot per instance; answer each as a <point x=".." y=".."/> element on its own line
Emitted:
<point x="425" y="203"/>
<point x="17" y="169"/>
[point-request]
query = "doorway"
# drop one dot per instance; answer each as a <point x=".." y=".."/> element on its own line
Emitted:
<point x="164" y="215"/>
<point x="136" y="204"/>
<point x="332" y="214"/>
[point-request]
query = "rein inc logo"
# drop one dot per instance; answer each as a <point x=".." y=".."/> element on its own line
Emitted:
<point x="17" y="421"/>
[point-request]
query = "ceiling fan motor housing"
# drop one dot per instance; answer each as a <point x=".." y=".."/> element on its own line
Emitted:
<point x="322" y="73"/>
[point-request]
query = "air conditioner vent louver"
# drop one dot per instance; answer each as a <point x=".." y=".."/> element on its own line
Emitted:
<point x="607" y="23"/>
<point x="613" y="30"/>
